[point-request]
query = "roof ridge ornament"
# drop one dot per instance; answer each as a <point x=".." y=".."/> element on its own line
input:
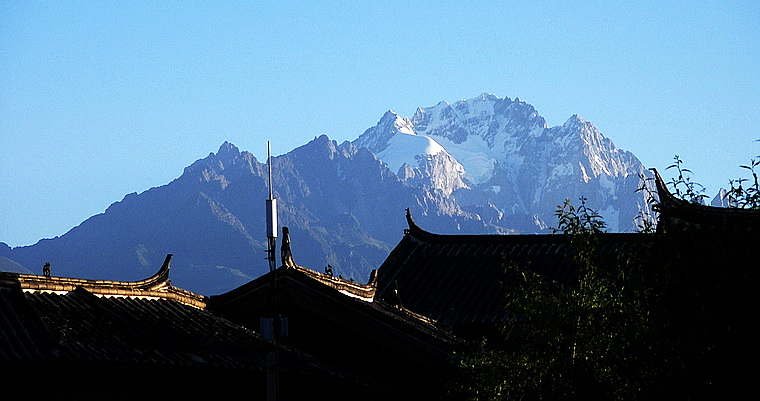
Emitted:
<point x="662" y="190"/>
<point x="413" y="227"/>
<point x="163" y="273"/>
<point x="286" y="254"/>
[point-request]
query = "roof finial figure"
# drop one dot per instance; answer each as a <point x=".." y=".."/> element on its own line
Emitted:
<point x="410" y="222"/>
<point x="46" y="270"/>
<point x="329" y="270"/>
<point x="285" y="252"/>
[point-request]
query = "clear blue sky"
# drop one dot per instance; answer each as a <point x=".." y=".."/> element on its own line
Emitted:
<point x="99" y="99"/>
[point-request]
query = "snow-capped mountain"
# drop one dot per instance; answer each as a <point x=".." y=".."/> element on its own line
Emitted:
<point x="482" y="165"/>
<point x="501" y="152"/>
<point x="416" y="159"/>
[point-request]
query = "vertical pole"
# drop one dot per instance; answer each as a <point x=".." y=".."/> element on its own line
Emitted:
<point x="273" y="381"/>
<point x="271" y="218"/>
<point x="272" y="367"/>
<point x="269" y="165"/>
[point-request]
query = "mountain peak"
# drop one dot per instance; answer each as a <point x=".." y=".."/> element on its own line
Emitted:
<point x="488" y="96"/>
<point x="391" y="120"/>
<point x="574" y="120"/>
<point x="483" y="165"/>
<point x="376" y="138"/>
<point x="389" y="115"/>
<point x="228" y="151"/>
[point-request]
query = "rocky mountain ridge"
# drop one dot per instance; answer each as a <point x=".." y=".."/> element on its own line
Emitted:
<point x="505" y="155"/>
<point x="483" y="165"/>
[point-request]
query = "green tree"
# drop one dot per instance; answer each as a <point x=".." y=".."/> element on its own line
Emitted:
<point x="744" y="192"/>
<point x="747" y="197"/>
<point x="589" y="340"/>
<point x="683" y="186"/>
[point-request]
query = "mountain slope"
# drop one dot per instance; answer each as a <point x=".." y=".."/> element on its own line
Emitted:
<point x="483" y="165"/>
<point x="343" y="207"/>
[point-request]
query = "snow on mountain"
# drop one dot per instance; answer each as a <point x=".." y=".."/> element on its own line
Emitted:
<point x="478" y="131"/>
<point x="376" y="138"/>
<point x="407" y="146"/>
<point x="505" y="155"/>
<point x="417" y="159"/>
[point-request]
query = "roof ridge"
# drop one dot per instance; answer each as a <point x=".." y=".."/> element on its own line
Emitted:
<point x="158" y="286"/>
<point x="421" y="234"/>
<point x="365" y="292"/>
<point x="675" y="208"/>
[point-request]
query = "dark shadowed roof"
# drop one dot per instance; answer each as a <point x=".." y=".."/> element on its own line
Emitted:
<point x="460" y="279"/>
<point x="397" y="353"/>
<point x="313" y="289"/>
<point x="81" y="327"/>
<point x="57" y="321"/>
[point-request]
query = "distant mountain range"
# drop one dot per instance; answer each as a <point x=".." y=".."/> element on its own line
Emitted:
<point x="482" y="165"/>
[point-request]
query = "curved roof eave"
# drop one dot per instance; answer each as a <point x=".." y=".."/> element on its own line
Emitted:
<point x="156" y="286"/>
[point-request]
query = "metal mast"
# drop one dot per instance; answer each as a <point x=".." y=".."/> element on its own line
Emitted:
<point x="273" y="357"/>
<point x="271" y="218"/>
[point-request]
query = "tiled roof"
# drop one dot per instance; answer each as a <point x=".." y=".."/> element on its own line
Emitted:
<point x="81" y="327"/>
<point x="148" y="323"/>
<point x="365" y="292"/>
<point x="360" y="297"/>
<point x="157" y="286"/>
<point x="458" y="279"/>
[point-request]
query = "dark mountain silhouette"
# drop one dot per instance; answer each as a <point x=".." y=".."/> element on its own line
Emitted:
<point x="342" y="205"/>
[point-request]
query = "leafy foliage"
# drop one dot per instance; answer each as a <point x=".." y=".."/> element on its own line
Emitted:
<point x="657" y="324"/>
<point x="744" y="193"/>
<point x="591" y="340"/>
<point x="745" y="197"/>
<point x="646" y="220"/>
<point x="683" y="186"/>
<point x="579" y="220"/>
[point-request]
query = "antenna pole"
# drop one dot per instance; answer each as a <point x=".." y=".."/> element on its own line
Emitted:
<point x="273" y="358"/>
<point x="271" y="218"/>
<point x="269" y="167"/>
